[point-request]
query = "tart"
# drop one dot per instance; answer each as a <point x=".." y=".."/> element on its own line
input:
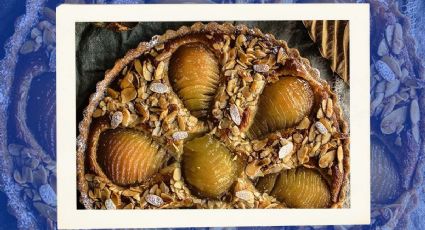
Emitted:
<point x="213" y="116"/>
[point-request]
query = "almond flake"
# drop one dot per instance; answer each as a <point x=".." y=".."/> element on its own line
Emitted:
<point x="234" y="113"/>
<point x="116" y="119"/>
<point x="245" y="195"/>
<point x="320" y="127"/>
<point x="261" y="68"/>
<point x="109" y="204"/>
<point x="180" y="135"/>
<point x="154" y="200"/>
<point x="159" y="88"/>
<point x="285" y="150"/>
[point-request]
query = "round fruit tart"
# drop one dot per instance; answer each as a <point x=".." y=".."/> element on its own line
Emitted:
<point x="213" y="116"/>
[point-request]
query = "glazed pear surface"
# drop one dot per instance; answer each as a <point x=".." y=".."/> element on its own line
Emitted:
<point x="127" y="156"/>
<point x="298" y="188"/>
<point x="208" y="166"/>
<point x="194" y="73"/>
<point x="282" y="105"/>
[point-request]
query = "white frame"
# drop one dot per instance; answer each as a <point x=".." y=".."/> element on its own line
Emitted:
<point x="68" y="214"/>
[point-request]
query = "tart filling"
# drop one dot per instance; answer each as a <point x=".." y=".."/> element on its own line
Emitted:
<point x="213" y="116"/>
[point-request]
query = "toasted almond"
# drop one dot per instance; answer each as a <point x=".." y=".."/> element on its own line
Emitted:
<point x="286" y="150"/>
<point x="392" y="87"/>
<point x="127" y="81"/>
<point x="319" y="113"/>
<point x="302" y="154"/>
<point x="125" y="117"/>
<point x="159" y="71"/>
<point x="154" y="200"/>
<point x="326" y="137"/>
<point x="320" y="127"/>
<point x="326" y="160"/>
<point x="180" y="135"/>
<point x="128" y="94"/>
<point x="329" y="108"/>
<point x="112" y="93"/>
<point x="304" y="124"/>
<point x="235" y="115"/>
<point x="109" y="204"/>
<point x="245" y="195"/>
<point x="261" y="68"/>
<point x="159" y="88"/>
<point x="253" y="169"/>
<point x="177" y="174"/>
<point x="147" y="71"/>
<point x="116" y="119"/>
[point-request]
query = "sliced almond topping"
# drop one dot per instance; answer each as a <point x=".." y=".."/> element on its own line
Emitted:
<point x="302" y="154"/>
<point x="320" y="127"/>
<point x="234" y="114"/>
<point x="285" y="150"/>
<point x="112" y="93"/>
<point x="326" y="160"/>
<point x="116" y="119"/>
<point x="159" y="71"/>
<point x="253" y="169"/>
<point x="329" y="108"/>
<point x="261" y="68"/>
<point x="304" y="124"/>
<point x="159" y="88"/>
<point x="147" y="71"/>
<point x="180" y="135"/>
<point x="109" y="204"/>
<point x="245" y="195"/>
<point x="128" y="94"/>
<point x="138" y="66"/>
<point x="177" y="174"/>
<point x="154" y="200"/>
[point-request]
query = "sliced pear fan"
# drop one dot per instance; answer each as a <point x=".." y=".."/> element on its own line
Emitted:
<point x="282" y="105"/>
<point x="298" y="188"/>
<point x="208" y="166"/>
<point x="194" y="74"/>
<point x="127" y="156"/>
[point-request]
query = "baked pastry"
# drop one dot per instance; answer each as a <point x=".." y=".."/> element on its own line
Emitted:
<point x="213" y="116"/>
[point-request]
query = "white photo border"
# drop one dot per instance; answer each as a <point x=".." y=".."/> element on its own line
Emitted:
<point x="71" y="217"/>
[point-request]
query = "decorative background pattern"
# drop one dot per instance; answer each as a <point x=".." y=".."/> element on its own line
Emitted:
<point x="27" y="111"/>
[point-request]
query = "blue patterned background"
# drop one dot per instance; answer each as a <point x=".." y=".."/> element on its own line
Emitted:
<point x="27" y="115"/>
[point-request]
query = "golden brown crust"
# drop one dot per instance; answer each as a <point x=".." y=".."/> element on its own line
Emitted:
<point x="295" y="66"/>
